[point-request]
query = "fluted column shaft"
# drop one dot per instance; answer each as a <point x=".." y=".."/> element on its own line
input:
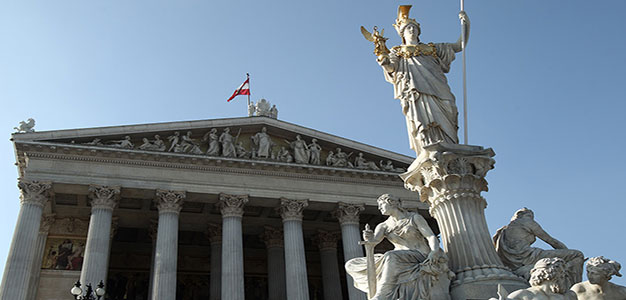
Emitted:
<point x="276" y="282"/>
<point x="215" y="285"/>
<point x="21" y="253"/>
<point x="348" y="215"/>
<point x="95" y="262"/>
<point x="331" y="282"/>
<point x="450" y="180"/>
<point x="295" y="260"/>
<point x="40" y="246"/>
<point x="169" y="204"/>
<point x="231" y="207"/>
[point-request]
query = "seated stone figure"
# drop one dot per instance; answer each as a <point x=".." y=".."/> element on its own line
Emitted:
<point x="547" y="282"/>
<point x="416" y="269"/>
<point x="513" y="244"/>
<point x="599" y="271"/>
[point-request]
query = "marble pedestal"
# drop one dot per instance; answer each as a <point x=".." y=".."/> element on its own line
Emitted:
<point x="450" y="178"/>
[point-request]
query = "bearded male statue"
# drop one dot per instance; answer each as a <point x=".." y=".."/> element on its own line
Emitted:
<point x="547" y="282"/>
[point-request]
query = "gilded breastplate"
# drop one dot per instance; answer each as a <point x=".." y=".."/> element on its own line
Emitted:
<point x="408" y="51"/>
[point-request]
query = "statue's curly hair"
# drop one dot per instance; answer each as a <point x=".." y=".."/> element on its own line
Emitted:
<point x="390" y="199"/>
<point x="607" y="266"/>
<point x="549" y="269"/>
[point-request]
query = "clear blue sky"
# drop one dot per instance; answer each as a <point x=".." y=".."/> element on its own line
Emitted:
<point x="545" y="86"/>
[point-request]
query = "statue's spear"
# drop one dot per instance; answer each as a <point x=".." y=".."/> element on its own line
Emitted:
<point x="465" y="138"/>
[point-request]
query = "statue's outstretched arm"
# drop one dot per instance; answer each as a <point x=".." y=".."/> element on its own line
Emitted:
<point x="544" y="236"/>
<point x="388" y="64"/>
<point x="425" y="230"/>
<point x="465" y="22"/>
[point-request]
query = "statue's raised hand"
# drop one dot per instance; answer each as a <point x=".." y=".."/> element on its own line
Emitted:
<point x="368" y="233"/>
<point x="463" y="17"/>
<point x="380" y="47"/>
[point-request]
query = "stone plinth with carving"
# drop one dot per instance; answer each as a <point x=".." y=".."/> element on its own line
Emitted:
<point x="450" y="179"/>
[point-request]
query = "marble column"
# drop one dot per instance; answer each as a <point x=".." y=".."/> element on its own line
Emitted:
<point x="231" y="207"/>
<point x="95" y="262"/>
<point x="331" y="281"/>
<point x="273" y="238"/>
<point x="152" y="231"/>
<point x="114" y="226"/>
<point x="348" y="216"/>
<point x="35" y="272"/>
<point x="169" y="204"/>
<point x="295" y="260"/>
<point x="214" y="233"/>
<point x="450" y="179"/>
<point x="21" y="253"/>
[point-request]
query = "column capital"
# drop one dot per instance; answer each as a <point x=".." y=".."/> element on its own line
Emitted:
<point x="214" y="233"/>
<point x="273" y="237"/>
<point x="105" y="197"/>
<point x="348" y="213"/>
<point x="170" y="201"/>
<point x="46" y="223"/>
<point x="232" y="205"/>
<point x="291" y="210"/>
<point x="326" y="240"/>
<point x="34" y="192"/>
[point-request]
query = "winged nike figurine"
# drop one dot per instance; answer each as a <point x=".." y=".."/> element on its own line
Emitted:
<point x="380" y="48"/>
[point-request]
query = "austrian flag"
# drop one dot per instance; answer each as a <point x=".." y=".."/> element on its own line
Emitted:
<point x="244" y="89"/>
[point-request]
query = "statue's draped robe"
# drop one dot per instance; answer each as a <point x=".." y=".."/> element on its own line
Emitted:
<point x="262" y="140"/>
<point x="398" y="273"/>
<point x="513" y="245"/>
<point x="300" y="152"/>
<point x="421" y="86"/>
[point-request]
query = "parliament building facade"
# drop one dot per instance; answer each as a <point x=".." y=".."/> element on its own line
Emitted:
<point x="156" y="211"/>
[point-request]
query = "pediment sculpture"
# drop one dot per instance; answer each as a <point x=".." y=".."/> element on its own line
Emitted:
<point x="260" y="145"/>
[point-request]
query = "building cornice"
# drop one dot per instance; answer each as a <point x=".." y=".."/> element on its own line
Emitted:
<point x="169" y="160"/>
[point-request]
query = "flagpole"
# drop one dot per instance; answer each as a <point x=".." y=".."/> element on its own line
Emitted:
<point x="463" y="33"/>
<point x="248" y="78"/>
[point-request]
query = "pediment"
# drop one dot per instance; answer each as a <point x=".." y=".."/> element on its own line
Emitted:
<point x="247" y="139"/>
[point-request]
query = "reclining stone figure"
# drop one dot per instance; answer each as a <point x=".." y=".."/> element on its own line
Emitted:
<point x="513" y="244"/>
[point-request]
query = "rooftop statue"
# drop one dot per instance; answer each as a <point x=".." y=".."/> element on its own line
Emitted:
<point x="417" y="71"/>
<point x="513" y="244"/>
<point x="416" y="269"/>
<point x="547" y="282"/>
<point x="26" y="126"/>
<point x="263" y="108"/>
<point x="599" y="271"/>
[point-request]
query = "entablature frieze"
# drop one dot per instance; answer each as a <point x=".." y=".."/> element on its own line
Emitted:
<point x="48" y="151"/>
<point x="268" y="142"/>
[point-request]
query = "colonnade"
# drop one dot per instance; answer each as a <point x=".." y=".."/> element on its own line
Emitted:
<point x="287" y="271"/>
